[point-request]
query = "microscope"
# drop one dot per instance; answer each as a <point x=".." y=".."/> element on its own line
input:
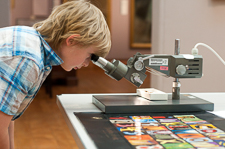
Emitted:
<point x="177" y="66"/>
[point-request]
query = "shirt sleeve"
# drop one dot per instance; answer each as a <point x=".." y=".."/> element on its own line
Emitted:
<point x="17" y="76"/>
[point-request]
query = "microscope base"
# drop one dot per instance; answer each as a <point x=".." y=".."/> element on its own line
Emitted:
<point x="136" y="104"/>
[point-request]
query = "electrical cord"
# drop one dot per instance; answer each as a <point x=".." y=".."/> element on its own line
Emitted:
<point x="195" y="51"/>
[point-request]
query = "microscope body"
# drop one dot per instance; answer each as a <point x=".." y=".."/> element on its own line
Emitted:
<point x="176" y="66"/>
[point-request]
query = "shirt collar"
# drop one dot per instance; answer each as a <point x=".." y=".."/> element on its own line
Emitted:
<point x="50" y="56"/>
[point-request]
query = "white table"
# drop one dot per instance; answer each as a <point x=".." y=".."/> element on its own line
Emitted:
<point x="70" y="103"/>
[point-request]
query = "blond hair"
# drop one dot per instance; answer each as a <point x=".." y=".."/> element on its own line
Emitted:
<point x="76" y="17"/>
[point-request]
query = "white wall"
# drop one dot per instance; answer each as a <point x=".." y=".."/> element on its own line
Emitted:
<point x="191" y="21"/>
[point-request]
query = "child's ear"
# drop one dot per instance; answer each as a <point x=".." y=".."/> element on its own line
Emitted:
<point x="70" y="40"/>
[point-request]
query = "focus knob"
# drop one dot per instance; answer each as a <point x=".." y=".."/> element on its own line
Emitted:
<point x="181" y="69"/>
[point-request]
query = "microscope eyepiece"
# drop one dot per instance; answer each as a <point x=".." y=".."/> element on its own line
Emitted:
<point x="94" y="57"/>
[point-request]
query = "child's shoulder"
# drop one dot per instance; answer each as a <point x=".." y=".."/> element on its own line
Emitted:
<point x="17" y="34"/>
<point x="18" y="29"/>
<point x="21" y="41"/>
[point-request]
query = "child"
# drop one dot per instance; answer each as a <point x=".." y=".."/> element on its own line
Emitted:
<point x="68" y="37"/>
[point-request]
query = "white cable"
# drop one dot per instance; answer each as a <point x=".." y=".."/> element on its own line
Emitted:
<point x="195" y="51"/>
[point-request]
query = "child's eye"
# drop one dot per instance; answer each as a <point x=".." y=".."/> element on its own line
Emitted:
<point x="89" y="56"/>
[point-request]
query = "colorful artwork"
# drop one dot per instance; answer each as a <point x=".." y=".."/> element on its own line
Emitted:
<point x="169" y="132"/>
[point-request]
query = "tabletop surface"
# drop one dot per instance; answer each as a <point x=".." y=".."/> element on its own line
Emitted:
<point x="70" y="103"/>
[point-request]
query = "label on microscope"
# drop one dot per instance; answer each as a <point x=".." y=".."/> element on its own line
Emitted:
<point x="158" y="61"/>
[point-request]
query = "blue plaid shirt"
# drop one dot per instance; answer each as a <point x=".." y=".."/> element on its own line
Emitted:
<point x="26" y="59"/>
